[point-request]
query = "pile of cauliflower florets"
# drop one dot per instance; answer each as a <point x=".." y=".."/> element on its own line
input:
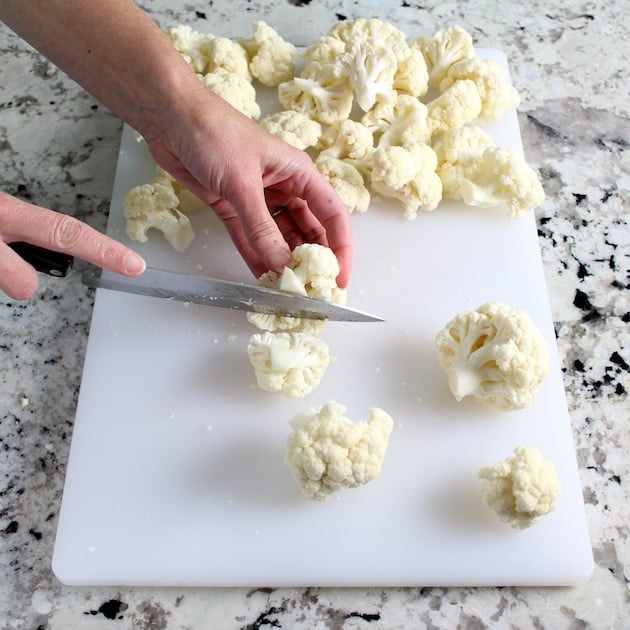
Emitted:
<point x="381" y="115"/>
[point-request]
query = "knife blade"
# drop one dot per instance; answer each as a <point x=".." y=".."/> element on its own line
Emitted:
<point x="223" y="294"/>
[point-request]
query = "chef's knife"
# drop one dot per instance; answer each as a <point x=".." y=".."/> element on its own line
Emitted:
<point x="196" y="289"/>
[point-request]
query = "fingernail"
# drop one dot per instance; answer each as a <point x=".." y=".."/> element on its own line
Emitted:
<point x="279" y="259"/>
<point x="134" y="264"/>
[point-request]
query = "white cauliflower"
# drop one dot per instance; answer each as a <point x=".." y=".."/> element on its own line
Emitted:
<point x="401" y="121"/>
<point x="412" y="76"/>
<point x="370" y="67"/>
<point x="407" y="174"/>
<point x="521" y="488"/>
<point x="192" y="46"/>
<point x="496" y="92"/>
<point x="235" y="89"/>
<point x="318" y="93"/>
<point x="455" y="107"/>
<point x="288" y="362"/>
<point x="347" y="181"/>
<point x="480" y="174"/>
<point x="501" y="176"/>
<point x="442" y="49"/>
<point x="347" y="139"/>
<point x="495" y="354"/>
<point x="161" y="205"/>
<point x="271" y="58"/>
<point x="327" y="452"/>
<point x="315" y="268"/>
<point x="225" y="53"/>
<point x="323" y="52"/>
<point x="456" y="150"/>
<point x="295" y="128"/>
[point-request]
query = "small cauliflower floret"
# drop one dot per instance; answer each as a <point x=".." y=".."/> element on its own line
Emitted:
<point x="371" y="28"/>
<point x="521" y="488"/>
<point x="324" y="52"/>
<point x="154" y="206"/>
<point x="455" y="107"/>
<point x="223" y="52"/>
<point x="401" y="121"/>
<point x="495" y="354"/>
<point x="327" y="452"/>
<point x="501" y="176"/>
<point x="370" y="67"/>
<point x="295" y="128"/>
<point x="442" y="49"/>
<point x="271" y="58"/>
<point x="316" y="268"/>
<point x="347" y="181"/>
<point x="191" y="45"/>
<point x="235" y="89"/>
<point x="412" y="76"/>
<point x="456" y="149"/>
<point x="408" y="175"/>
<point x="288" y="362"/>
<point x="496" y="92"/>
<point x="347" y="139"/>
<point x="318" y="93"/>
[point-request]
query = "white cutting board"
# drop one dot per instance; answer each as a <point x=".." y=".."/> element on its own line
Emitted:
<point x="176" y="472"/>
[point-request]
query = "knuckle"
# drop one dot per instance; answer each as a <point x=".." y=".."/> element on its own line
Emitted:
<point x="67" y="232"/>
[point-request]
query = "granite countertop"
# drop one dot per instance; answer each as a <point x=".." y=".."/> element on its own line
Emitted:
<point x="570" y="62"/>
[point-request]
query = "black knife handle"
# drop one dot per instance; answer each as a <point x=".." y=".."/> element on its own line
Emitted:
<point x="44" y="260"/>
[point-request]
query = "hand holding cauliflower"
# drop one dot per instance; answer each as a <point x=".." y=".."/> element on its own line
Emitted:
<point x="495" y="354"/>
<point x="521" y="488"/>
<point x="327" y="452"/>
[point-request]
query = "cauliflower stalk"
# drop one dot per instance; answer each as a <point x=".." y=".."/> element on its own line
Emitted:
<point x="288" y="362"/>
<point x="495" y="354"/>
<point x="521" y="488"/>
<point x="327" y="452"/>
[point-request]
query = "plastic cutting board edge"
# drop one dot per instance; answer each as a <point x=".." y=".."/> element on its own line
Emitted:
<point x="176" y="472"/>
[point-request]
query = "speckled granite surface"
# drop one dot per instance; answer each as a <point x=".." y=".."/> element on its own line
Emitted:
<point x="58" y="148"/>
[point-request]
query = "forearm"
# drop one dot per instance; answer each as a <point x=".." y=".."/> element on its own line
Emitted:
<point x="111" y="48"/>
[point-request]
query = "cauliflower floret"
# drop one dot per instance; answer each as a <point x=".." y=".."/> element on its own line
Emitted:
<point x="474" y="170"/>
<point x="346" y="180"/>
<point x="188" y="201"/>
<point x="223" y="52"/>
<point x="155" y="206"/>
<point x="235" y="89"/>
<point x="370" y="67"/>
<point x="347" y="139"/>
<point x="271" y="58"/>
<point x="371" y="28"/>
<point x="442" y="49"/>
<point x="521" y="488"/>
<point x="316" y="268"/>
<point x="288" y="362"/>
<point x="401" y="121"/>
<point x="191" y="45"/>
<point x="295" y="128"/>
<point x="324" y="51"/>
<point x="455" y="107"/>
<point x="412" y="76"/>
<point x="496" y="92"/>
<point x="318" y="93"/>
<point x="495" y="354"/>
<point x="456" y="149"/>
<point x="502" y="176"/>
<point x="408" y="175"/>
<point x="327" y="452"/>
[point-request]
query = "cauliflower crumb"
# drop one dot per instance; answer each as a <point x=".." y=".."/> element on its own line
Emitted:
<point x="521" y="488"/>
<point x="327" y="452"/>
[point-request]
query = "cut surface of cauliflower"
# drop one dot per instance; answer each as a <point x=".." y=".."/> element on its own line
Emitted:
<point x="327" y="452"/>
<point x="495" y="354"/>
<point x="521" y="488"/>
<point x="290" y="363"/>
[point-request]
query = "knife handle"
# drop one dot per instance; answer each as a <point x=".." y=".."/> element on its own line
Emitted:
<point x="44" y="260"/>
